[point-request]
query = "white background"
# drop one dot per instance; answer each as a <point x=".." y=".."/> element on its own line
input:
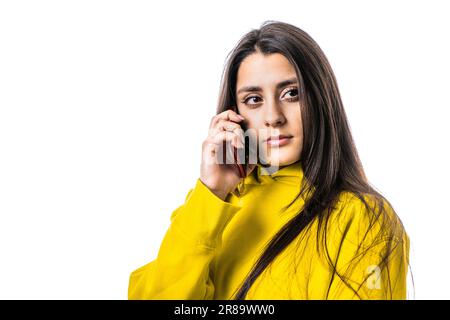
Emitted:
<point x="104" y="106"/>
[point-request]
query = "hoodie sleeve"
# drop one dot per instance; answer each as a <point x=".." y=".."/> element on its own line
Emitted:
<point x="182" y="267"/>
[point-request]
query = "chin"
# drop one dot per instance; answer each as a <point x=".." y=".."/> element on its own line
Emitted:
<point x="283" y="157"/>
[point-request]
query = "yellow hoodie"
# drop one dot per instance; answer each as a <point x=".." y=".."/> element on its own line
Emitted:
<point x="212" y="244"/>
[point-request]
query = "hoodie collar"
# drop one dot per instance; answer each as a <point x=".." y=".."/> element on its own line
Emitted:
<point x="290" y="174"/>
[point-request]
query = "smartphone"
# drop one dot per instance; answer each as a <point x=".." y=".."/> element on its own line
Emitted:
<point x="242" y="167"/>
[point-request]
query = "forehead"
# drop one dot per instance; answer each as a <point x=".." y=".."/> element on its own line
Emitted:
<point x="264" y="70"/>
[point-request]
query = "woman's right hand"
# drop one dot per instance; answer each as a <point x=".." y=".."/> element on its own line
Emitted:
<point x="219" y="177"/>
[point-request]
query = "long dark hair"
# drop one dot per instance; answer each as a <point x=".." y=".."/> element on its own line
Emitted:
<point x="329" y="157"/>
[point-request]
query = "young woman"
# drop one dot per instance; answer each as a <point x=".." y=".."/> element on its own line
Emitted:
<point x="312" y="229"/>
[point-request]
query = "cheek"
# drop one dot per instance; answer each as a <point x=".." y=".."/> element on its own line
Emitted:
<point x="296" y="122"/>
<point x="299" y="126"/>
<point x="253" y="120"/>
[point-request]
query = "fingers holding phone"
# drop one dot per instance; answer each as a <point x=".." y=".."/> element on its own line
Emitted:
<point x="218" y="169"/>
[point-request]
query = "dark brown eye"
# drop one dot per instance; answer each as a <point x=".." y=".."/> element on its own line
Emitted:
<point x="293" y="95"/>
<point x="293" y="92"/>
<point x="252" y="97"/>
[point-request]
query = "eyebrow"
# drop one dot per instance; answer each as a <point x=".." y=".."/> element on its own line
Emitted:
<point x="257" y="89"/>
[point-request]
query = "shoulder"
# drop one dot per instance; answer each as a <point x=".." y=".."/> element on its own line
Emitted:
<point x="365" y="217"/>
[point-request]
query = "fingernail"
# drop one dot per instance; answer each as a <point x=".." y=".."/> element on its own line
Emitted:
<point x="241" y="117"/>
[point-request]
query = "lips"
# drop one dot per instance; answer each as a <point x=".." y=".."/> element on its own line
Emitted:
<point x="278" y="137"/>
<point x="278" y="141"/>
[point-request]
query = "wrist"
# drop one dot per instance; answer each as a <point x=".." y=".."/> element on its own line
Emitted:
<point x="220" y="193"/>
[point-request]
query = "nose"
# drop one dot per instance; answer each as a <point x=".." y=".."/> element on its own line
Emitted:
<point x="274" y="116"/>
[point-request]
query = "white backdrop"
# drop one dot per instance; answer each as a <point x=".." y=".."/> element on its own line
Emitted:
<point x="104" y="106"/>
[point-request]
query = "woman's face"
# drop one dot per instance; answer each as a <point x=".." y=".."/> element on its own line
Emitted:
<point x="267" y="97"/>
